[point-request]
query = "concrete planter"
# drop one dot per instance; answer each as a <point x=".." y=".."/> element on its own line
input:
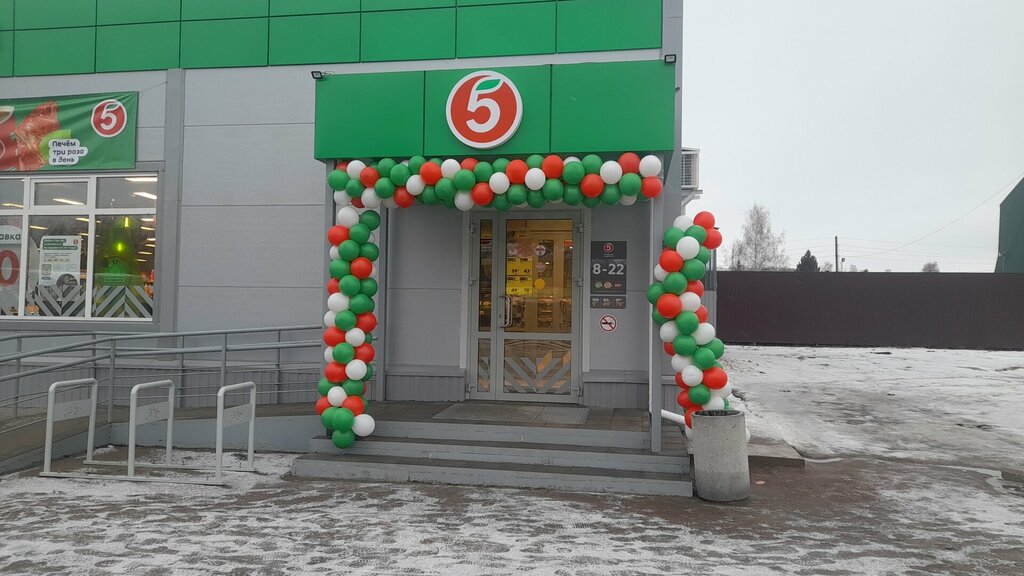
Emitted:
<point x="720" y="469"/>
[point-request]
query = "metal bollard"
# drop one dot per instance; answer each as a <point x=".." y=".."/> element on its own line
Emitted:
<point x="720" y="469"/>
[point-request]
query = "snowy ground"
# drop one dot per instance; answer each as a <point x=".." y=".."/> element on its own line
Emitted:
<point x="892" y="495"/>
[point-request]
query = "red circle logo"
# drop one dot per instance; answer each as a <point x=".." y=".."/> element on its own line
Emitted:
<point x="109" y="118"/>
<point x="484" y="109"/>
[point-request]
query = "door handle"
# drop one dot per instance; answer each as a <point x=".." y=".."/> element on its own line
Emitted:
<point x="508" y="311"/>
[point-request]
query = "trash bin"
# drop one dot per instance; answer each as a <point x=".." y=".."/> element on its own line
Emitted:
<point x="720" y="469"/>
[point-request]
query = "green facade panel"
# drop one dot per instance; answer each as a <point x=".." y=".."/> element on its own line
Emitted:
<point x="589" y="25"/>
<point x="33" y="51"/>
<point x="377" y="5"/>
<point x="533" y="135"/>
<point x="137" y="11"/>
<point x="610" y="107"/>
<point x="369" y="115"/>
<point x="299" y="7"/>
<point x="6" y="14"/>
<point x="224" y="43"/>
<point x="407" y="35"/>
<point x="506" y="30"/>
<point x="489" y="2"/>
<point x="314" y="39"/>
<point x="214" y="9"/>
<point x="35" y="14"/>
<point x="138" y="46"/>
<point x="6" y="53"/>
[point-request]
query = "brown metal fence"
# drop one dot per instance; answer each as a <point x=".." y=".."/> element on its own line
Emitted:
<point x="944" y="310"/>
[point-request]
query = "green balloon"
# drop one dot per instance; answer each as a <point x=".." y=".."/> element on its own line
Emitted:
<point x="369" y="338"/>
<point x="675" y="283"/>
<point x="348" y="250"/>
<point x="415" y="163"/>
<point x="700" y="394"/>
<point x="359" y="233"/>
<point x="385" y="166"/>
<point x="592" y="163"/>
<point x="694" y="269"/>
<point x="655" y="291"/>
<point x="658" y="318"/>
<point x="369" y="251"/>
<point x="630" y="184"/>
<point x="400" y="174"/>
<point x="337" y="179"/>
<point x="343" y="419"/>
<point x="591" y="202"/>
<point x="483" y="171"/>
<point x="354" y="387"/>
<point x="327" y="416"/>
<point x="339" y="268"/>
<point x="553" y="190"/>
<point x="687" y="322"/>
<point x="535" y="161"/>
<point x="697" y="232"/>
<point x="343" y="440"/>
<point x="368" y="287"/>
<point x="429" y="196"/>
<point x="611" y="195"/>
<point x="716" y="346"/>
<point x="343" y="353"/>
<point x="500" y="164"/>
<point x="384" y="188"/>
<point x="684" y="345"/>
<point x="361" y="304"/>
<point x="349" y="285"/>
<point x="449" y="202"/>
<point x="672" y="237"/>
<point x="573" y="173"/>
<point x="464" y="180"/>
<point x="445" y="189"/>
<point x="535" y="198"/>
<point x="704" y="358"/>
<point x="354" y="188"/>
<point x="517" y="194"/>
<point x="727" y="405"/>
<point x="704" y="255"/>
<point x="573" y="195"/>
<point x="370" y="219"/>
<point x="345" y="320"/>
<point x="324" y="386"/>
<point x="437" y="161"/>
<point x="501" y="202"/>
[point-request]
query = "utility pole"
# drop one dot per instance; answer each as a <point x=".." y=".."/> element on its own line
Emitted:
<point x="837" y="253"/>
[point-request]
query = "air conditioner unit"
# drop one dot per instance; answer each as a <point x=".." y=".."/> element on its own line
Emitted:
<point x="690" y="167"/>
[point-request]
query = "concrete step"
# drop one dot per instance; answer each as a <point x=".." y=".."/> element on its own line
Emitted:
<point x="511" y="433"/>
<point x="565" y="455"/>
<point x="361" y="467"/>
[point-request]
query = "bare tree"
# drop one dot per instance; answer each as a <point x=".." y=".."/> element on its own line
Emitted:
<point x="760" y="248"/>
<point x="931" y="267"/>
<point x="827" y="266"/>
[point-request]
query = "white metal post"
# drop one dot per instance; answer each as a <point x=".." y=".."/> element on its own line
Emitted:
<point x="156" y="415"/>
<point x="236" y="418"/>
<point x="71" y="410"/>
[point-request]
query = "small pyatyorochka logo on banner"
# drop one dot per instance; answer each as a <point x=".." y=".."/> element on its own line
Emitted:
<point x="484" y="109"/>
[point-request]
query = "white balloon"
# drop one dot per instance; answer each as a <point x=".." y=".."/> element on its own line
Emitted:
<point x="715" y="403"/>
<point x="364" y="425"/>
<point x="570" y="159"/>
<point x="329" y="354"/>
<point x="683" y="222"/>
<point x="464" y="201"/>
<point x="659" y="273"/>
<point x="627" y="200"/>
<point x="499" y="183"/>
<point x="747" y="430"/>
<point x="450" y="167"/>
<point x="688" y="247"/>
<point x="354" y="168"/>
<point x="705" y="333"/>
<point x="415" y="185"/>
<point x="390" y="203"/>
<point x="370" y="199"/>
<point x="650" y="166"/>
<point x="355" y="370"/>
<point x="693" y="375"/>
<point x="341" y="199"/>
<point x="355" y="337"/>
<point x="535" y="179"/>
<point x="334" y="253"/>
<point x="688" y="431"/>
<point x="611" y="172"/>
<point x="336" y="396"/>
<point x="337" y="302"/>
<point x="691" y="302"/>
<point x="668" y="332"/>
<point x="722" y="392"/>
<point x="329" y="319"/>
<point x="348" y="217"/>
<point x="680" y="363"/>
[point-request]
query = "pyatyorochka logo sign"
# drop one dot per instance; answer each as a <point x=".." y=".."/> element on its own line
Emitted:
<point x="484" y="109"/>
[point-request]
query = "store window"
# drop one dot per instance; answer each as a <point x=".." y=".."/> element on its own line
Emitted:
<point x="80" y="247"/>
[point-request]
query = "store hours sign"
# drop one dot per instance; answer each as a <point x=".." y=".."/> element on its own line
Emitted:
<point x="608" y="275"/>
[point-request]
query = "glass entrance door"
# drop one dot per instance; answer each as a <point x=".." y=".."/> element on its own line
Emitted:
<point x="527" y="277"/>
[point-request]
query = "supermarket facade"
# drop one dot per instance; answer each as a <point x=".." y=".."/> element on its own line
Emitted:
<point x="168" y="172"/>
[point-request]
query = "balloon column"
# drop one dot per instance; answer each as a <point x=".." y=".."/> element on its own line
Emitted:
<point x="688" y="337"/>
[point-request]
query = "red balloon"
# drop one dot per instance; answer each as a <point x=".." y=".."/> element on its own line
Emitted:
<point x="430" y="173"/>
<point x="715" y="378"/>
<point x="358" y="203"/>
<point x="689" y="416"/>
<point x="355" y="404"/>
<point x="321" y="405"/>
<point x="695" y="286"/>
<point x="365" y="352"/>
<point x="683" y="399"/>
<point x="552" y="167"/>
<point x="651" y="186"/>
<point x="516" y="171"/>
<point x="337" y="234"/>
<point x="333" y="336"/>
<point x="369" y="176"/>
<point x="361" y="268"/>
<point x="482" y="194"/>
<point x="366" y="322"/>
<point x="670" y="260"/>
<point x="592" y="186"/>
<point x="702" y="314"/>
<point x="468" y="164"/>
<point x="333" y="286"/>
<point x="667" y="347"/>
<point x="403" y="198"/>
<point x="630" y="163"/>
<point x="714" y="239"/>
<point x="341" y="165"/>
<point x="335" y="372"/>
<point x="669" y="306"/>
<point x="704" y="220"/>
<point x="679" y="381"/>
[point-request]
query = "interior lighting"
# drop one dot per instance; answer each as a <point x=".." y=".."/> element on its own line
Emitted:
<point x="67" y="201"/>
<point x="145" y="195"/>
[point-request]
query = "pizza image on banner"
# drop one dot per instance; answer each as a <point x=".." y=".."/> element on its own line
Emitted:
<point x="94" y="131"/>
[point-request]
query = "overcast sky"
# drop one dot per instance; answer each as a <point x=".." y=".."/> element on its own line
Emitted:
<point x="879" y="121"/>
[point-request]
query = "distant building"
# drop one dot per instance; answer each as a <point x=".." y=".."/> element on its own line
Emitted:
<point x="1011" y="232"/>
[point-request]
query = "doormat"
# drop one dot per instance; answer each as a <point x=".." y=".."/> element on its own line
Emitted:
<point x="490" y="413"/>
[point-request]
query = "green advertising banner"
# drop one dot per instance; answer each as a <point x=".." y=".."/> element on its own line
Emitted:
<point x="90" y="132"/>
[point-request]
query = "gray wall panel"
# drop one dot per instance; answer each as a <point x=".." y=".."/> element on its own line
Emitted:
<point x="423" y="327"/>
<point x="211" y="308"/>
<point x="426" y="248"/>
<point x="150" y="147"/>
<point x="286" y="96"/>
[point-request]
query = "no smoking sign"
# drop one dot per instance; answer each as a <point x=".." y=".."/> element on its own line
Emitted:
<point x="608" y="323"/>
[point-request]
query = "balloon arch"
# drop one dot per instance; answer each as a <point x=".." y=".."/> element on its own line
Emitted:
<point x="361" y="189"/>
